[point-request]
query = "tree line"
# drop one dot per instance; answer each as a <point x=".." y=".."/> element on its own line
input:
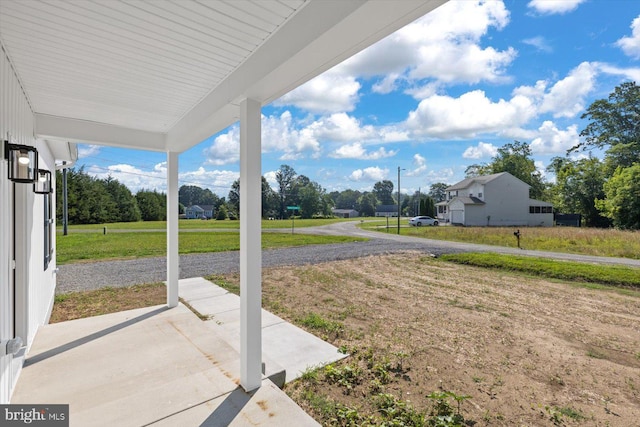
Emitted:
<point x="605" y="192"/>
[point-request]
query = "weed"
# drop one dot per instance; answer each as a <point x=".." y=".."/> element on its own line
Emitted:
<point x="556" y="380"/>
<point x="315" y="321"/>
<point x="596" y="354"/>
<point x="310" y="374"/>
<point x="349" y="416"/>
<point x="348" y="376"/>
<point x="556" y="414"/>
<point x="381" y="370"/>
<point x="443" y="414"/>
<point x="397" y="412"/>
<point x="477" y="379"/>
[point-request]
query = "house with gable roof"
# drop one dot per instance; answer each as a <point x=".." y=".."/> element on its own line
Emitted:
<point x="498" y="200"/>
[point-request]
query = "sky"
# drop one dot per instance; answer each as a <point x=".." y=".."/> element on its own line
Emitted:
<point x="440" y="94"/>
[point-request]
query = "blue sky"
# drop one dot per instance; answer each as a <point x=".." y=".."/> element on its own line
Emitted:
<point x="439" y="95"/>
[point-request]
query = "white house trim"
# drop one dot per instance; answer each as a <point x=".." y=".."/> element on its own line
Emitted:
<point x="250" y="245"/>
<point x="173" y="260"/>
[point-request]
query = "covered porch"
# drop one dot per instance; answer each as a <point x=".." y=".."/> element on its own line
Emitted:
<point x="169" y="367"/>
<point x="164" y="76"/>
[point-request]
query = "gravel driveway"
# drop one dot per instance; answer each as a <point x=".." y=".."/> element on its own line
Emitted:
<point x="86" y="276"/>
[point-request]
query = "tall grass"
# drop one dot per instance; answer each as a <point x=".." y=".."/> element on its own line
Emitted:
<point x="563" y="270"/>
<point x="587" y="241"/>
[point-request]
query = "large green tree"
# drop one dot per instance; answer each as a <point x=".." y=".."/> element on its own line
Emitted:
<point x="383" y="191"/>
<point x="124" y="207"/>
<point x="578" y="184"/>
<point x="153" y="205"/>
<point x="438" y="191"/>
<point x="622" y="202"/>
<point x="270" y="203"/>
<point x="614" y="125"/>
<point x="285" y="177"/>
<point x="367" y="203"/>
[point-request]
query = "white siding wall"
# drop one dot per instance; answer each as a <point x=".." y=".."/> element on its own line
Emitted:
<point x="35" y="287"/>
<point x="507" y="202"/>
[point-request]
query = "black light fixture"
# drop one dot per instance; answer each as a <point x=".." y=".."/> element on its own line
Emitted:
<point x="43" y="184"/>
<point x="23" y="162"/>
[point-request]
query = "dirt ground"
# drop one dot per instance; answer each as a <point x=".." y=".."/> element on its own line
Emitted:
<point x="529" y="352"/>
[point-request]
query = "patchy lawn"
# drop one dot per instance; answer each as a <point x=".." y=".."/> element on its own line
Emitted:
<point x="512" y="350"/>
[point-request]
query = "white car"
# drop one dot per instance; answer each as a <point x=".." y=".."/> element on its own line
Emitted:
<point x="419" y="221"/>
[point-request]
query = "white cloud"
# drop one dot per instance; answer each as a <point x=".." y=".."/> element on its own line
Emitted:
<point x="552" y="140"/>
<point x="327" y="93"/>
<point x="539" y="43"/>
<point x="86" y="150"/>
<point x="443" y="46"/>
<point x="278" y="134"/>
<point x="225" y="148"/>
<point x="482" y="150"/>
<point x="357" y="151"/>
<point x="551" y="7"/>
<point x="342" y="127"/>
<point x="218" y="181"/>
<point x="271" y="178"/>
<point x="420" y="166"/>
<point x="567" y="97"/>
<point x="470" y="114"/>
<point x="134" y="178"/>
<point x="631" y="45"/>
<point x="373" y="173"/>
<point x="627" y="73"/>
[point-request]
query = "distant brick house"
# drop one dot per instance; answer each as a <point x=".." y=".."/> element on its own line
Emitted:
<point x="493" y="200"/>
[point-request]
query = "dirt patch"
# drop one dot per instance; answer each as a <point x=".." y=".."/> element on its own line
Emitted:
<point x="529" y="352"/>
<point x="77" y="305"/>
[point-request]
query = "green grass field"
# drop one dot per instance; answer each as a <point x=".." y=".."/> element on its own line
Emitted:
<point x="562" y="270"/>
<point x="197" y="224"/>
<point x="77" y="247"/>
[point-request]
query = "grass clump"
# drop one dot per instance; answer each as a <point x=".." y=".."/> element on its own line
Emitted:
<point x="563" y="270"/>
<point x="319" y="323"/>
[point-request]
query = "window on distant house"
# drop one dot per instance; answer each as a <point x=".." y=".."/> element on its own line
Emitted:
<point x="48" y="231"/>
<point x="480" y="195"/>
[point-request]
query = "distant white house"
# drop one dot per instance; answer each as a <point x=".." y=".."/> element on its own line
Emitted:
<point x="498" y="200"/>
<point x="387" y="210"/>
<point x="345" y="213"/>
<point x="199" y="212"/>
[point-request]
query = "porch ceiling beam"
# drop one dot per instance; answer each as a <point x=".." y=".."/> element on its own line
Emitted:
<point x="66" y="129"/>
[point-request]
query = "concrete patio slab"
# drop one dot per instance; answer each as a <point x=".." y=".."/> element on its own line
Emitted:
<point x="283" y="344"/>
<point x="159" y="366"/>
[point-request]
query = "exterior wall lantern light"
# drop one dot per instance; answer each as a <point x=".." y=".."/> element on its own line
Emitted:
<point x="23" y="163"/>
<point x="43" y="184"/>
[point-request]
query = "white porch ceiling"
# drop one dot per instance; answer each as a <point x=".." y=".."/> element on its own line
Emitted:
<point x="166" y="74"/>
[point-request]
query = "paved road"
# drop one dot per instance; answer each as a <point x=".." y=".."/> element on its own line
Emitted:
<point x="74" y="277"/>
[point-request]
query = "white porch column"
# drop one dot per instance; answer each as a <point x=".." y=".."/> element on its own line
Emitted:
<point x="173" y="264"/>
<point x="250" y="245"/>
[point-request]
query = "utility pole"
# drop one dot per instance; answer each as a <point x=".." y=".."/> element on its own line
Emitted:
<point x="398" y="199"/>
